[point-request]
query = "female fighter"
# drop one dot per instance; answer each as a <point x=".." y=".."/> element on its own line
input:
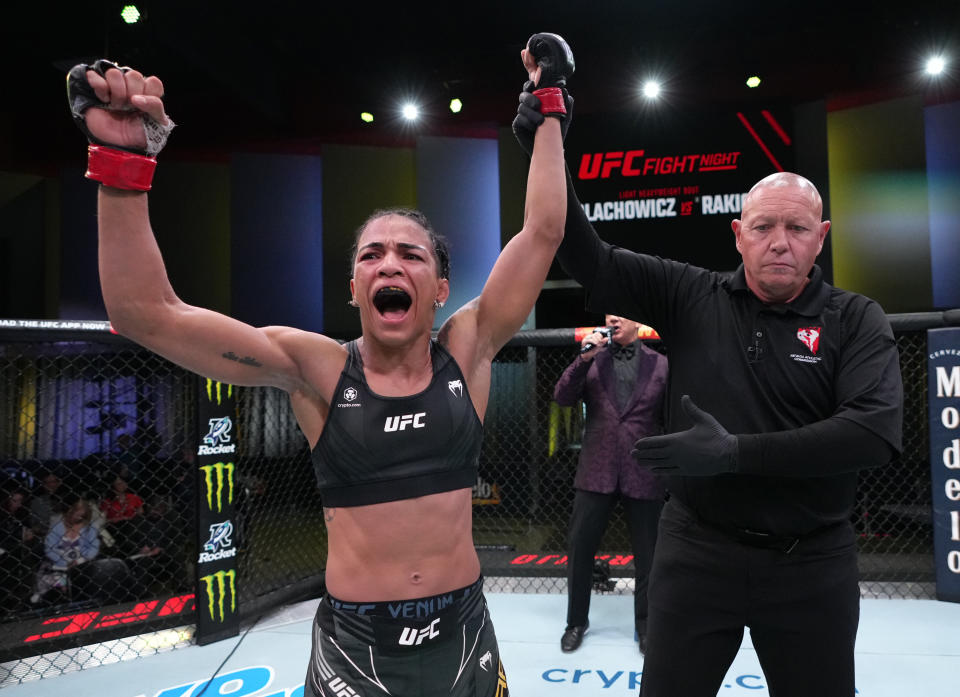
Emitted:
<point x="393" y="418"/>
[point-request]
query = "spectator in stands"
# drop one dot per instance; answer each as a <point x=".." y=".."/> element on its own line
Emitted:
<point x="47" y="504"/>
<point x="158" y="541"/>
<point x="121" y="508"/>
<point x="126" y="457"/>
<point x="71" y="541"/>
<point x="136" y="455"/>
<point x="15" y="553"/>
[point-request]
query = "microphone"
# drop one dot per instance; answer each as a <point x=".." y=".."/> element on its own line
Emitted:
<point x="604" y="331"/>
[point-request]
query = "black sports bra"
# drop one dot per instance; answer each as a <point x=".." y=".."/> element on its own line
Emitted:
<point x="375" y="449"/>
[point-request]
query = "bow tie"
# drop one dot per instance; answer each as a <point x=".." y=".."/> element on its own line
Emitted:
<point x="624" y="353"/>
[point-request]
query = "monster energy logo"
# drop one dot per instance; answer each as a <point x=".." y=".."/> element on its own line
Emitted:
<point x="215" y="388"/>
<point x="220" y="468"/>
<point x="224" y="581"/>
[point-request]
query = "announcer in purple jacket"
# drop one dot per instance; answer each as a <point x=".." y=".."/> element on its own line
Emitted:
<point x="622" y="383"/>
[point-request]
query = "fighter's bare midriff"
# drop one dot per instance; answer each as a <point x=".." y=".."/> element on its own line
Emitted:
<point x="401" y="550"/>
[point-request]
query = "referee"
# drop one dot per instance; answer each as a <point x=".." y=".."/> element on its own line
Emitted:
<point x="782" y="387"/>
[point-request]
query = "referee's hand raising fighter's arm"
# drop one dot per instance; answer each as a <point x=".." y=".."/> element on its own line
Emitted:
<point x="122" y="114"/>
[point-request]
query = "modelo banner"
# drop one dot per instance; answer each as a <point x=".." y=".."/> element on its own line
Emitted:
<point x="943" y="371"/>
<point x="217" y="611"/>
<point x="668" y="182"/>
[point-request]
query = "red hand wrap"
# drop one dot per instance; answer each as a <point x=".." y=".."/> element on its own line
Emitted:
<point x="119" y="168"/>
<point x="551" y="100"/>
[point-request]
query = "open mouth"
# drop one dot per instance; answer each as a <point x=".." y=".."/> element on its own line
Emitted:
<point x="392" y="301"/>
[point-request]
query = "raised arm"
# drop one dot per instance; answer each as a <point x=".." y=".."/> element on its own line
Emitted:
<point x="519" y="273"/>
<point x="122" y="114"/>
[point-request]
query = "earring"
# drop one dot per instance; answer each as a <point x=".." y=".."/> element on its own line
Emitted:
<point x="353" y="303"/>
<point x="437" y="304"/>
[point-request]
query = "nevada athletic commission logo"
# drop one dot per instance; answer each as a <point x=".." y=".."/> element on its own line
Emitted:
<point x="218" y="484"/>
<point x="217" y="440"/>
<point x="220" y="544"/>
<point x="215" y="390"/>
<point x="810" y="337"/>
<point x="219" y="589"/>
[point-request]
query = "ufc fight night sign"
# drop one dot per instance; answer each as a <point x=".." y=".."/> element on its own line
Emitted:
<point x="217" y="489"/>
<point x="943" y="371"/>
<point x="671" y="186"/>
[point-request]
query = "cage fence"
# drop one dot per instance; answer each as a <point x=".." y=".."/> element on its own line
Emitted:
<point x="98" y="447"/>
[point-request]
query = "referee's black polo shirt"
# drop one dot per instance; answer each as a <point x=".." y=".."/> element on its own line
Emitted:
<point x="819" y="376"/>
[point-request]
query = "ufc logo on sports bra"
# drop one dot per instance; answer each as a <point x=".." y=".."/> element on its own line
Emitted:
<point x="413" y="637"/>
<point x="399" y="423"/>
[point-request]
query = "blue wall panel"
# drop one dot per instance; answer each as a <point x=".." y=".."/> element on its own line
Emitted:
<point x="458" y="190"/>
<point x="276" y="243"/>
<point x="943" y="182"/>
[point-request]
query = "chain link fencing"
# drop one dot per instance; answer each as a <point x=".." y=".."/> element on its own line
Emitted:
<point x="530" y="456"/>
<point x="97" y="451"/>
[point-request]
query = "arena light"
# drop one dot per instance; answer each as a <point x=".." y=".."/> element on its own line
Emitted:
<point x="130" y="14"/>
<point x="936" y="65"/>
<point x="410" y="112"/>
<point x="651" y="89"/>
<point x="753" y="81"/>
<point x="366" y="117"/>
<point x="456" y="105"/>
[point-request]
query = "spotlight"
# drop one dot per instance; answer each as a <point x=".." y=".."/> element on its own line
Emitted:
<point x="651" y="89"/>
<point x="753" y="81"/>
<point x="366" y="117"/>
<point x="410" y="112"/>
<point x="456" y="105"/>
<point x="936" y="65"/>
<point x="130" y="14"/>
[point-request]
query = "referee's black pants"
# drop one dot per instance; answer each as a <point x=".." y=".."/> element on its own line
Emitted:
<point x="802" y="609"/>
<point x="591" y="514"/>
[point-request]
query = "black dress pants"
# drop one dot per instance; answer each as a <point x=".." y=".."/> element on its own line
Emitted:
<point x="591" y="513"/>
<point x="802" y="608"/>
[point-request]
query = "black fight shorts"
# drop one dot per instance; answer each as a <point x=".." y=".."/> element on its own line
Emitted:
<point x="428" y="647"/>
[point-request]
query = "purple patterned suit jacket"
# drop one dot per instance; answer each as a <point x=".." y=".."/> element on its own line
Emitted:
<point x="605" y="464"/>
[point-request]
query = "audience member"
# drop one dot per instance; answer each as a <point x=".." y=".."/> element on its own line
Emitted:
<point x="71" y="541"/>
<point x="15" y="553"/>
<point x="47" y="504"/>
<point x="158" y="542"/>
<point x="121" y="508"/>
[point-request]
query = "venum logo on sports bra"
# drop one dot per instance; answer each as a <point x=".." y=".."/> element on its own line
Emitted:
<point x="400" y="423"/>
<point x="349" y="394"/>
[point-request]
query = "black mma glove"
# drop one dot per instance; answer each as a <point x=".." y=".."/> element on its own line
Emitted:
<point x="554" y="57"/>
<point x="80" y="97"/>
<point x="111" y="164"/>
<point x="703" y="450"/>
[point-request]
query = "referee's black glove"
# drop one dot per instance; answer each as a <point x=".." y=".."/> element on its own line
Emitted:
<point x="703" y="450"/>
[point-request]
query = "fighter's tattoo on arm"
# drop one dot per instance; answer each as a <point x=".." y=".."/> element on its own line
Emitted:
<point x="246" y="360"/>
<point x="328" y="514"/>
